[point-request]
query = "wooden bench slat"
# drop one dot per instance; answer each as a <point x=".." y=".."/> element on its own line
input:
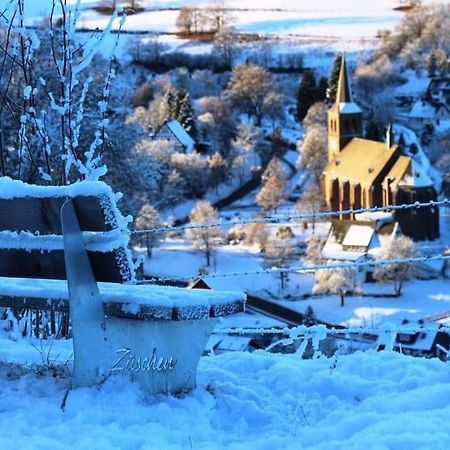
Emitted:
<point x="46" y="304"/>
<point x="41" y="215"/>
<point x="20" y="263"/>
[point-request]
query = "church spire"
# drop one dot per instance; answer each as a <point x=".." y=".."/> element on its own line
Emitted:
<point x="344" y="117"/>
<point x="343" y="94"/>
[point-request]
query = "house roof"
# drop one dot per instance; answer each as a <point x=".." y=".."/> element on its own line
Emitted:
<point x="358" y="235"/>
<point x="348" y="240"/>
<point x="422" y="110"/>
<point x="361" y="161"/>
<point x="439" y="84"/>
<point x="180" y="134"/>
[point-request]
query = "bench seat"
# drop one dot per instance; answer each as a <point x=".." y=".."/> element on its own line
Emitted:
<point x="139" y="301"/>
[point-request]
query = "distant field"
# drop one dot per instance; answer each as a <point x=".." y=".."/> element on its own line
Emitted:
<point x="318" y="18"/>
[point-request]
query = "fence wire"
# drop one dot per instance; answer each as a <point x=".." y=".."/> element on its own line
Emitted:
<point x="310" y="268"/>
<point x="295" y="217"/>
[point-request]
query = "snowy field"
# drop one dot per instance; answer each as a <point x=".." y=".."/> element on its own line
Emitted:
<point x="352" y="20"/>
<point x="243" y="401"/>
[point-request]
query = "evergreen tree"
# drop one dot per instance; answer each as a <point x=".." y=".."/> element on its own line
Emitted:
<point x="309" y="318"/>
<point x="334" y="79"/>
<point x="373" y="129"/>
<point x="306" y="96"/>
<point x="185" y="112"/>
<point x="176" y="104"/>
<point x="322" y="89"/>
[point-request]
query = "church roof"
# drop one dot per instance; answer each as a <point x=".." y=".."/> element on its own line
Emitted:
<point x="416" y="177"/>
<point x="401" y="167"/>
<point x="361" y="161"/>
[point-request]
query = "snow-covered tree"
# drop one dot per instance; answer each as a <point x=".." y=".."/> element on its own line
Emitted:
<point x="204" y="238"/>
<point x="313" y="151"/>
<point x="195" y="171"/>
<point x="217" y="166"/>
<point x="311" y="202"/>
<point x="56" y="105"/>
<point x="257" y="234"/>
<point x="313" y="253"/>
<point x="274" y="168"/>
<point x="271" y="194"/>
<point x="148" y="219"/>
<point x="217" y="16"/>
<point x="278" y="251"/>
<point x="253" y="90"/>
<point x="225" y="46"/>
<point x="316" y="115"/>
<point x="399" y="248"/>
<point x="335" y="281"/>
<point x="188" y="20"/>
<point x="244" y="149"/>
<point x="217" y="123"/>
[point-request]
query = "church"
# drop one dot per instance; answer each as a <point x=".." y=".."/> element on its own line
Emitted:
<point x="362" y="173"/>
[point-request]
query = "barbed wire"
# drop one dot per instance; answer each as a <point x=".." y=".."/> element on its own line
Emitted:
<point x="295" y="217"/>
<point x="310" y="268"/>
<point x="302" y="330"/>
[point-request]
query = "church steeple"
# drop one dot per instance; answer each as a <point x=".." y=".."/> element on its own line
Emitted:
<point x="344" y="117"/>
<point x="343" y="93"/>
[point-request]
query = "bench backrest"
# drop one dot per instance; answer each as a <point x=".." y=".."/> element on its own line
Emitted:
<point x="31" y="242"/>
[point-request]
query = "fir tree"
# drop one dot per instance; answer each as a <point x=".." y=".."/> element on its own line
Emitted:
<point x="334" y="79"/>
<point x="306" y="95"/>
<point x="309" y="318"/>
<point x="322" y="89"/>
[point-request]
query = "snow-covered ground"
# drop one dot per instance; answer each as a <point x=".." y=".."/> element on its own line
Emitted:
<point x="348" y="25"/>
<point x="246" y="401"/>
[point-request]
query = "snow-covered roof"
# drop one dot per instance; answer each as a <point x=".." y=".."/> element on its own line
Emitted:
<point x="378" y="216"/>
<point x="335" y="252"/>
<point x="349" y="108"/>
<point x="181" y="134"/>
<point x="422" y="110"/>
<point x="417" y="178"/>
<point x="359" y="236"/>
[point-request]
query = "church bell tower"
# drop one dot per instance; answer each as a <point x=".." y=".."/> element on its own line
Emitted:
<point x="344" y="117"/>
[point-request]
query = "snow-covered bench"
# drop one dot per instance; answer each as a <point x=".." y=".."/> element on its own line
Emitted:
<point x="66" y="248"/>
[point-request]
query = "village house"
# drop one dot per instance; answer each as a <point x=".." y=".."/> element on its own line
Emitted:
<point x="362" y="173"/>
<point x="360" y="240"/>
<point x="438" y="91"/>
<point x="173" y="132"/>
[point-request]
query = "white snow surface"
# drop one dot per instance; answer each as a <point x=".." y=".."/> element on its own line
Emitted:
<point x="181" y="134"/>
<point x="358" y="235"/>
<point x="246" y="401"/>
<point x="126" y="293"/>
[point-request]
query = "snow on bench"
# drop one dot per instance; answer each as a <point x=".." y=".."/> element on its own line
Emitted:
<point x="66" y="247"/>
